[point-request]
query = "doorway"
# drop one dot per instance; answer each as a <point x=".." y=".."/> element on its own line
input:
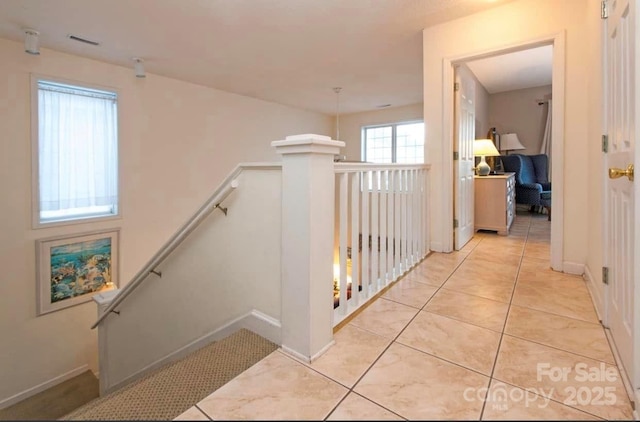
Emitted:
<point x="557" y="93"/>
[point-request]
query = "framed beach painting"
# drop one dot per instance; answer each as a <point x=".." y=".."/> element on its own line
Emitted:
<point x="72" y="268"/>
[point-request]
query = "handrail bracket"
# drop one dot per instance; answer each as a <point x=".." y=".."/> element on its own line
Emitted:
<point x="223" y="209"/>
<point x="158" y="273"/>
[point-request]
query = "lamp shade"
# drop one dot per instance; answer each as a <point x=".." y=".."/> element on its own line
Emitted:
<point x="484" y="147"/>
<point x="510" y="142"/>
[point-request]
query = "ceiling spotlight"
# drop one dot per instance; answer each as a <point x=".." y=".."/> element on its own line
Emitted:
<point x="139" y="67"/>
<point x="31" y="41"/>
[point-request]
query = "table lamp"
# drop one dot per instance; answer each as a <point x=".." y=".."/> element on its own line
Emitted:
<point x="484" y="148"/>
<point x="510" y="142"/>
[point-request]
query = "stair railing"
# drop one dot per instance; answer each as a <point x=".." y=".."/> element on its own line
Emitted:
<point x="213" y="203"/>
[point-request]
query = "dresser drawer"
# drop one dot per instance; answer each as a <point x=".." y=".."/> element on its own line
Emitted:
<point x="495" y="202"/>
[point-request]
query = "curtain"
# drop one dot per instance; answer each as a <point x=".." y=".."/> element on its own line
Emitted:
<point x="546" y="138"/>
<point x="77" y="148"/>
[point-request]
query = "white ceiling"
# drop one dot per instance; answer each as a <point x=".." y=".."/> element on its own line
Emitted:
<point x="521" y="69"/>
<point x="286" y="51"/>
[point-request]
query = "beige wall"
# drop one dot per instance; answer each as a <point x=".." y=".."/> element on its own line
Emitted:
<point x="596" y="174"/>
<point x="521" y="22"/>
<point x="177" y="142"/>
<point x="351" y="125"/>
<point x="482" y="110"/>
<point x="518" y="112"/>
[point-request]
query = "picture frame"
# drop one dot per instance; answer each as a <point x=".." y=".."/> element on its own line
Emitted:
<point x="70" y="269"/>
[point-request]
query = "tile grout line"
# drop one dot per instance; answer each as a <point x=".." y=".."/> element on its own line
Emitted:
<point x="495" y="360"/>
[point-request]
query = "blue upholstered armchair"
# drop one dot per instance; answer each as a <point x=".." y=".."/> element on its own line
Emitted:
<point x="532" y="182"/>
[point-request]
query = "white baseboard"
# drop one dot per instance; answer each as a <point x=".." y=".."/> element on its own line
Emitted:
<point x="4" y="403"/>
<point x="255" y="321"/>
<point x="436" y="247"/>
<point x="636" y="415"/>
<point x="626" y="382"/>
<point x="263" y="325"/>
<point x="572" y="268"/>
<point x="596" y="296"/>
<point x="306" y="359"/>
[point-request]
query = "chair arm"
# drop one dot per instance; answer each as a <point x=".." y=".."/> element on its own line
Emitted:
<point x="531" y="186"/>
<point x="546" y="186"/>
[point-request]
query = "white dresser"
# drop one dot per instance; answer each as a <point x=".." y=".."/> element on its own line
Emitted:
<point x="495" y="202"/>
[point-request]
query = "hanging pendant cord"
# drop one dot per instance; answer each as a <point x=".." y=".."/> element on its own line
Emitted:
<point x="337" y="91"/>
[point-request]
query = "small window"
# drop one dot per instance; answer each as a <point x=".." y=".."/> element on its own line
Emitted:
<point x="401" y="143"/>
<point x="76" y="147"/>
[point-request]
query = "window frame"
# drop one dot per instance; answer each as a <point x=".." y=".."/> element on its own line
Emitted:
<point x="35" y="153"/>
<point x="394" y="145"/>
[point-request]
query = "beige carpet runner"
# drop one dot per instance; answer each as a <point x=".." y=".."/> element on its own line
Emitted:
<point x="168" y="392"/>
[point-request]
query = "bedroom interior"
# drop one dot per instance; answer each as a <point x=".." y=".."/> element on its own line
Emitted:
<point x="513" y="97"/>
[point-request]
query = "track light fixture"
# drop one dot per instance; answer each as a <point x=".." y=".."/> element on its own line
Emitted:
<point x="139" y="67"/>
<point x="31" y="41"/>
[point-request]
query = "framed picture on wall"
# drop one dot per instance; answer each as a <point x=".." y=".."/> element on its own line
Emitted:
<point x="70" y="269"/>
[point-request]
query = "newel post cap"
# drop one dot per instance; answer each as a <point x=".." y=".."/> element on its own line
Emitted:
<point x="308" y="143"/>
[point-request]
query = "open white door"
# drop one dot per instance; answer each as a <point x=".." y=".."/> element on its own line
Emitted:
<point x="620" y="196"/>
<point x="464" y="134"/>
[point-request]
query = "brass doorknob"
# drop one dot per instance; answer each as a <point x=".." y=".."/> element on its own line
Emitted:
<point x="614" y="172"/>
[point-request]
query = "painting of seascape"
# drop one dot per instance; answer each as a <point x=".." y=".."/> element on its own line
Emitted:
<point x="72" y="269"/>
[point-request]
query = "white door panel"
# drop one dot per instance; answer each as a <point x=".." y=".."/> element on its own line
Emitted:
<point x="620" y="198"/>
<point x="464" y="134"/>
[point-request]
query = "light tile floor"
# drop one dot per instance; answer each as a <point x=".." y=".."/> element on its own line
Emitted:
<point x="486" y="333"/>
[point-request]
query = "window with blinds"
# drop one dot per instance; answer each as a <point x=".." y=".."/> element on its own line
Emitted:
<point x="77" y="152"/>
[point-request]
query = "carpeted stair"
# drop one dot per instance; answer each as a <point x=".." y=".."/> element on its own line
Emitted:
<point x="166" y="393"/>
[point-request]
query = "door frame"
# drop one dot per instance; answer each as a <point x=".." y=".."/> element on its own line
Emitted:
<point x="558" y="41"/>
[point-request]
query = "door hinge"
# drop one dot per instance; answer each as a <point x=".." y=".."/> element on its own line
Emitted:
<point x="456" y="86"/>
<point x="456" y="155"/>
<point x="604" y="13"/>
<point x="605" y="275"/>
<point x="455" y="223"/>
<point x="605" y="143"/>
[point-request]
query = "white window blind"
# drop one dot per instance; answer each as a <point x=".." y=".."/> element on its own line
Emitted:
<point x="77" y="152"/>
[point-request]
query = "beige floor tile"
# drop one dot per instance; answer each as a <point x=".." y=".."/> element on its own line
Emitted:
<point x="494" y="255"/>
<point x="564" y="376"/>
<point x="276" y="388"/>
<point x="353" y="353"/>
<point x="491" y="281"/>
<point x="357" y="408"/>
<point x="538" y="269"/>
<point x="537" y="250"/>
<point x="556" y="298"/>
<point x="192" y="414"/>
<point x="418" y="386"/>
<point x="470" y="245"/>
<point x="385" y="317"/>
<point x="477" y="268"/>
<point x="472" y="309"/>
<point x="444" y="260"/>
<point x="468" y="345"/>
<point x="505" y="402"/>
<point x="575" y="336"/>
<point x="410" y="292"/>
<point x="429" y="276"/>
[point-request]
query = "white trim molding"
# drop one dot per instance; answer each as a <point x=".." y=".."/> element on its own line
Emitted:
<point x="4" y="403"/>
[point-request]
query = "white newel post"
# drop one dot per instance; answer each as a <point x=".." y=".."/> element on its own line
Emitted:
<point x="103" y="300"/>
<point x="308" y="196"/>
